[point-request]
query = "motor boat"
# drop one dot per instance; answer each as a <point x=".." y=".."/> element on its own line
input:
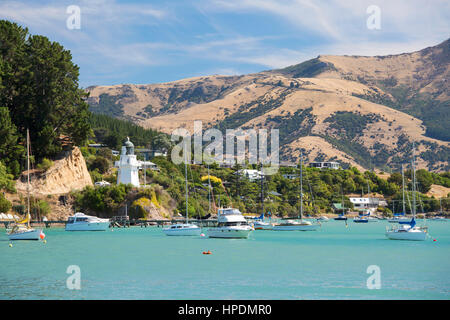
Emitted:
<point x="323" y="219"/>
<point x="262" y="225"/>
<point x="81" y="222"/>
<point x="296" y="225"/>
<point x="231" y="224"/>
<point x="183" y="229"/>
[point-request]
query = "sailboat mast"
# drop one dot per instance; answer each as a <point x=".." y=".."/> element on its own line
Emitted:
<point x="403" y="188"/>
<point x="28" y="177"/>
<point x="301" y="186"/>
<point x="414" y="182"/>
<point x="262" y="190"/>
<point x="185" y="176"/>
<point x="209" y="191"/>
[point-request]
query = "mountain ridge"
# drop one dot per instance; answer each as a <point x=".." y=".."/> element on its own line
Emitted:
<point x="362" y="111"/>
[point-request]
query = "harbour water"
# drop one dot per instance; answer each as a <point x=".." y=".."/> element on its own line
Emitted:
<point x="143" y="263"/>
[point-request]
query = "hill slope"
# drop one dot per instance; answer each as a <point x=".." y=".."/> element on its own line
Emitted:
<point x="363" y="111"/>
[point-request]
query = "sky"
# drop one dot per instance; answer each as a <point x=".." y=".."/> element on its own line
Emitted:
<point x="142" y="42"/>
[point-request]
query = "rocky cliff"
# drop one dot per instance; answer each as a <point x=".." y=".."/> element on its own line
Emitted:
<point x="66" y="174"/>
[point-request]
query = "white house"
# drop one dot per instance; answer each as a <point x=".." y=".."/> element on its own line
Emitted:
<point x="371" y="204"/>
<point x="324" y="165"/>
<point x="291" y="176"/>
<point x="250" y="174"/>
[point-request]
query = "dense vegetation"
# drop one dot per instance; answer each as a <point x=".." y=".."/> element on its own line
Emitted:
<point x="321" y="189"/>
<point x="113" y="132"/>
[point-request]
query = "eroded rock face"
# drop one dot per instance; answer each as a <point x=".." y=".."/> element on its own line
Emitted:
<point x="67" y="174"/>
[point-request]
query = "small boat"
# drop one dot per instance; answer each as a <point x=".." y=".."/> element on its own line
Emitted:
<point x="184" y="229"/>
<point x="81" y="222"/>
<point x="409" y="231"/>
<point x="22" y="230"/>
<point x="262" y="225"/>
<point x="360" y="219"/>
<point x="438" y="219"/>
<point x="231" y="224"/>
<point x="323" y="219"/>
<point x="341" y="217"/>
<point x="364" y="218"/>
<point x="294" y="225"/>
<point x="300" y="225"/>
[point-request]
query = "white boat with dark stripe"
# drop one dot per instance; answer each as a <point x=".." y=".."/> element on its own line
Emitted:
<point x="231" y="224"/>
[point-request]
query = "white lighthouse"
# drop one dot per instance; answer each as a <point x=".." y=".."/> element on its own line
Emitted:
<point x="128" y="165"/>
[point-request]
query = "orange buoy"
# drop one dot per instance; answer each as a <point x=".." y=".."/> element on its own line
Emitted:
<point x="42" y="236"/>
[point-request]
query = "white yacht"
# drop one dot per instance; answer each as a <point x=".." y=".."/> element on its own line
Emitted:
<point x="231" y="224"/>
<point x="81" y="222"/>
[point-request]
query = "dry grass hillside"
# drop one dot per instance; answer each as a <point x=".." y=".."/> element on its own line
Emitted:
<point x="362" y="111"/>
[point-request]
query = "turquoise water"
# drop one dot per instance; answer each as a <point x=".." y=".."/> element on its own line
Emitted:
<point x="143" y="263"/>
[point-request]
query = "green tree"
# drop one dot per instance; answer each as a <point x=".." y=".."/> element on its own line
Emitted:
<point x="6" y="180"/>
<point x="424" y="180"/>
<point x="5" y="205"/>
<point x="10" y="150"/>
<point x="40" y="89"/>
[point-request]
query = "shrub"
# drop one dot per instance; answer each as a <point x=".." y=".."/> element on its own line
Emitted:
<point x="45" y="164"/>
<point x="5" y="205"/>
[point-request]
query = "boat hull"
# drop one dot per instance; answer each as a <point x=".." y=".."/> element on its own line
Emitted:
<point x="300" y="227"/>
<point x="230" y="232"/>
<point x="264" y="226"/>
<point x="191" y="231"/>
<point x="90" y="226"/>
<point x="34" y="234"/>
<point x="399" y="220"/>
<point x="407" y="235"/>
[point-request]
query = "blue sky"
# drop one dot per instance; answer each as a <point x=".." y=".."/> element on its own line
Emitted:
<point x="141" y="41"/>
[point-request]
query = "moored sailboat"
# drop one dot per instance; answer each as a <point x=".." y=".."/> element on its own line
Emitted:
<point x="184" y="229"/>
<point x="22" y="230"/>
<point x="300" y="224"/>
<point x="409" y="231"/>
